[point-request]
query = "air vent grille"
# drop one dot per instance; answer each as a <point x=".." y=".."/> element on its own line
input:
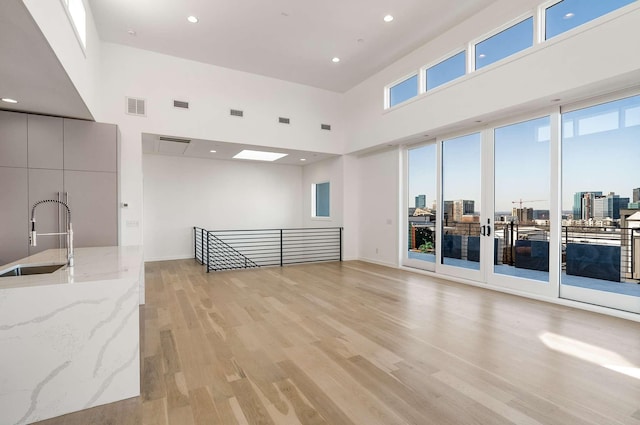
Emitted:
<point x="174" y="139"/>
<point x="283" y="120"/>
<point x="180" y="104"/>
<point x="236" y="113"/>
<point x="136" y="106"/>
<point x="325" y="127"/>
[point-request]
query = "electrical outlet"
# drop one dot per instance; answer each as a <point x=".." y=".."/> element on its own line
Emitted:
<point x="376" y="250"/>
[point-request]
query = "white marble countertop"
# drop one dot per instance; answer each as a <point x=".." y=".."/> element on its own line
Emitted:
<point x="90" y="264"/>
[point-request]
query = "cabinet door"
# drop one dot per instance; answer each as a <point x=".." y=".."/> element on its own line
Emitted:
<point x="13" y="139"/>
<point x="93" y="201"/>
<point x="14" y="229"/>
<point x="45" y="142"/>
<point x="89" y="146"/>
<point x="47" y="184"/>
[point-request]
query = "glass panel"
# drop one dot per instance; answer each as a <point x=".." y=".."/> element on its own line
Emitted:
<point x="447" y="70"/>
<point x="422" y="204"/>
<point x="600" y="179"/>
<point x="403" y="91"/>
<point x="505" y="43"/>
<point x="322" y="200"/>
<point x="461" y="189"/>
<point x="569" y="14"/>
<point x="522" y="185"/>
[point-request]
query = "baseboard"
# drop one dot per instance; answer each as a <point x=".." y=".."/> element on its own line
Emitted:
<point x="378" y="262"/>
<point x="169" y="258"/>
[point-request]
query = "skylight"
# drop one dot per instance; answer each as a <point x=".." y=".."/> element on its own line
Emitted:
<point x="259" y="155"/>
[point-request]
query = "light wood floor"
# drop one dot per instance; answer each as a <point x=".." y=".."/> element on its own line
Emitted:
<point x="355" y="343"/>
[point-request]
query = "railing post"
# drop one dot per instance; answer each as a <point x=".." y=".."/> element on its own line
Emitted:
<point x="207" y="250"/>
<point x="341" y="244"/>
<point x="281" y="250"/>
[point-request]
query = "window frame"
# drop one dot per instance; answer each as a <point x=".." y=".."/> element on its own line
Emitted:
<point x="450" y="55"/>
<point x="76" y="31"/>
<point x="388" y="87"/>
<point x="513" y="22"/>
<point x="314" y="202"/>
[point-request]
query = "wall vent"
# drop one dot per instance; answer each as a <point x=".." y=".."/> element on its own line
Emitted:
<point x="325" y="127"/>
<point x="236" y="113"/>
<point x="180" y="104"/>
<point x="283" y="120"/>
<point x="136" y="107"/>
<point x="174" y="139"/>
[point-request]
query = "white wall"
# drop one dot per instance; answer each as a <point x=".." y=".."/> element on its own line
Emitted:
<point x="83" y="68"/>
<point x="180" y="193"/>
<point x="594" y="58"/>
<point x="211" y="91"/>
<point x="377" y="181"/>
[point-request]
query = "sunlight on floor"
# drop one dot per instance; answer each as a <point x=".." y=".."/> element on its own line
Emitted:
<point x="590" y="353"/>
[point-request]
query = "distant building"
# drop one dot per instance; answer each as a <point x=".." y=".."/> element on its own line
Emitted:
<point x="421" y="201"/>
<point x="636" y="195"/>
<point x="608" y="206"/>
<point x="541" y="214"/>
<point x="411" y="211"/>
<point x="583" y="205"/>
<point x="454" y="210"/>
<point x="524" y="215"/>
<point x="633" y="205"/>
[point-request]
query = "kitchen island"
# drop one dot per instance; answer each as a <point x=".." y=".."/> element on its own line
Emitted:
<point x="69" y="340"/>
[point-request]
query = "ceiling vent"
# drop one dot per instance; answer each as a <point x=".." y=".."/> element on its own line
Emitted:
<point x="174" y="139"/>
<point x="283" y="120"/>
<point x="236" y="113"/>
<point x="180" y="104"/>
<point x="325" y="127"/>
<point x="136" y="107"/>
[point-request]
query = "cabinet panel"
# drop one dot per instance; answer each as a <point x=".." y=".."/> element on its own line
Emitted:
<point x="45" y="142"/>
<point x="89" y="146"/>
<point x="13" y="139"/>
<point x="93" y="203"/>
<point x="14" y="229"/>
<point x="47" y="184"/>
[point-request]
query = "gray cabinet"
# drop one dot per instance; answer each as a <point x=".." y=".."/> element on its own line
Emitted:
<point x="45" y="142"/>
<point x="90" y="146"/>
<point x="47" y="184"/>
<point x="54" y="158"/>
<point x="14" y="230"/>
<point x="92" y="198"/>
<point x="13" y="139"/>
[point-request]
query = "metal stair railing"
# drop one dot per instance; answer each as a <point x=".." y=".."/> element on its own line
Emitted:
<point x="234" y="249"/>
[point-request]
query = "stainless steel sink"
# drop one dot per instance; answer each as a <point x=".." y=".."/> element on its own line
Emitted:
<point x="29" y="269"/>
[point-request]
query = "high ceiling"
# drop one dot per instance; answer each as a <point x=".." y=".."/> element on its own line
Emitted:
<point x="292" y="40"/>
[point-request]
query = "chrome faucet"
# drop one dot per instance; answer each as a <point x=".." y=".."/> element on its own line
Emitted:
<point x="69" y="232"/>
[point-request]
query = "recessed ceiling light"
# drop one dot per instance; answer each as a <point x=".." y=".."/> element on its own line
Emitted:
<point x="388" y="18"/>
<point x="556" y="100"/>
<point x="259" y="155"/>
<point x="131" y="32"/>
<point x="8" y="100"/>
<point x="569" y="15"/>
<point x="335" y="60"/>
<point x="303" y="159"/>
<point x="192" y="19"/>
<point x="212" y="151"/>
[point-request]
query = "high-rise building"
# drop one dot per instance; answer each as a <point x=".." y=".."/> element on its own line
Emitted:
<point x="524" y="214"/>
<point x="636" y="194"/>
<point x="454" y="210"/>
<point x="583" y="205"/>
<point x="608" y="206"/>
<point x="421" y="201"/>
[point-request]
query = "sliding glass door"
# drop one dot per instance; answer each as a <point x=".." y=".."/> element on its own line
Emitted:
<point x="600" y="204"/>
<point x="460" y="212"/>
<point x="421" y="207"/>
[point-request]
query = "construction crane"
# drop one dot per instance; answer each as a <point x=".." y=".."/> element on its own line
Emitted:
<point x="520" y="202"/>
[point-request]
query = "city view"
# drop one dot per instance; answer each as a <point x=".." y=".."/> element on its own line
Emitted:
<point x="600" y="203"/>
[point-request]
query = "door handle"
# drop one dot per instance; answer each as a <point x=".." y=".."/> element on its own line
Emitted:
<point x="482" y="230"/>
<point x="488" y="230"/>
